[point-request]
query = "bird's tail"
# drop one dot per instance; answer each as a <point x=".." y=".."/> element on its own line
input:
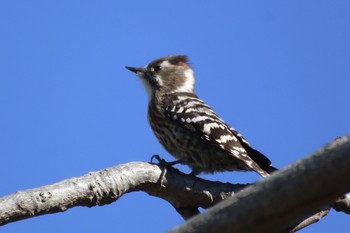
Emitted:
<point x="270" y="169"/>
<point x="263" y="162"/>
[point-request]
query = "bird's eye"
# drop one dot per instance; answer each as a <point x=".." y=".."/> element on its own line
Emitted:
<point x="157" y="68"/>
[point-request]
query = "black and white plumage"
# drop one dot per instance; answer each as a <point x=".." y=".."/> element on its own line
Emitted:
<point x="188" y="128"/>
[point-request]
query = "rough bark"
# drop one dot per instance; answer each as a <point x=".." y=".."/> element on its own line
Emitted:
<point x="308" y="188"/>
<point x="278" y="203"/>
<point x="185" y="192"/>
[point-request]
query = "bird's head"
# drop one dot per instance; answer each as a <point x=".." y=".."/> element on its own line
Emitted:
<point x="169" y="74"/>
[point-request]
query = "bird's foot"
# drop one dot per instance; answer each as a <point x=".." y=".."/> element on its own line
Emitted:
<point x="164" y="165"/>
<point x="162" y="162"/>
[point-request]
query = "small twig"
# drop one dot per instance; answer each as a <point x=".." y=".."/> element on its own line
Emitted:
<point x="311" y="220"/>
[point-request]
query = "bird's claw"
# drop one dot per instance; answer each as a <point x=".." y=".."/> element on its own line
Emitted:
<point x="162" y="162"/>
<point x="156" y="157"/>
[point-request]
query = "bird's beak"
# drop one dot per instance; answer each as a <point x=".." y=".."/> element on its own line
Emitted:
<point x="137" y="71"/>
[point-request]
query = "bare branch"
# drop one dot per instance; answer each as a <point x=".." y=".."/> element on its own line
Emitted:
<point x="311" y="220"/>
<point x="289" y="197"/>
<point x="183" y="191"/>
<point x="278" y="203"/>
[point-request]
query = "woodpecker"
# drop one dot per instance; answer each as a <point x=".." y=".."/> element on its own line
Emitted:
<point x="188" y="128"/>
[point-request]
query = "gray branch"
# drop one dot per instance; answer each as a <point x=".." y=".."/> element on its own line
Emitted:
<point x="290" y="197"/>
<point x="185" y="192"/>
<point x="278" y="203"/>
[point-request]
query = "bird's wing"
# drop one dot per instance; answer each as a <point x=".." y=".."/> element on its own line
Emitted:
<point x="194" y="115"/>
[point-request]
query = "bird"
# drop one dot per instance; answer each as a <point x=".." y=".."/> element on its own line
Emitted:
<point x="188" y="128"/>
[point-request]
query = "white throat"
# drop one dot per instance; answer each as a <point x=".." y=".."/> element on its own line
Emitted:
<point x="148" y="88"/>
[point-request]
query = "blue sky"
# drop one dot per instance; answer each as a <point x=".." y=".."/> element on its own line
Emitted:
<point x="277" y="71"/>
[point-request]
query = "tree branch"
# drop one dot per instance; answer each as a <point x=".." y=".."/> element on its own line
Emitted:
<point x="278" y="203"/>
<point x="288" y="197"/>
<point x="185" y="192"/>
